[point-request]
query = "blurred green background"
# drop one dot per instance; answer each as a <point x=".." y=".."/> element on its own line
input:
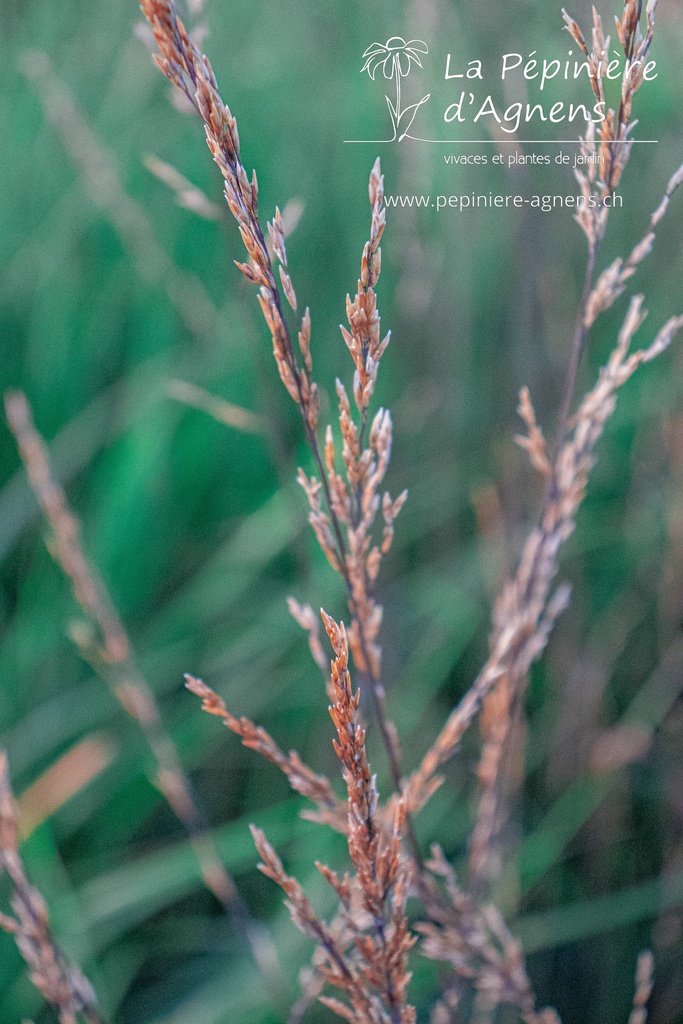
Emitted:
<point x="109" y="290"/>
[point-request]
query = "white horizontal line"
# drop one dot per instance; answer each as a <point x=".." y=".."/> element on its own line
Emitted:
<point x="496" y="142"/>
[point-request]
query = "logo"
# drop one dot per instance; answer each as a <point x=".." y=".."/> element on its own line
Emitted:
<point x="396" y="57"/>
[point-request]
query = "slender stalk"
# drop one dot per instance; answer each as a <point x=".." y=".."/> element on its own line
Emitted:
<point x="190" y="70"/>
<point x="397" y="69"/>
<point x="578" y="344"/>
<point x="375" y="686"/>
<point x="115" y="664"/>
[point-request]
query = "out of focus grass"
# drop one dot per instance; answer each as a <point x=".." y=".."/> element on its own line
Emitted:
<point x="200" y="532"/>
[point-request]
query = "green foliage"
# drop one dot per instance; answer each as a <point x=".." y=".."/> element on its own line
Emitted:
<point x="200" y="532"/>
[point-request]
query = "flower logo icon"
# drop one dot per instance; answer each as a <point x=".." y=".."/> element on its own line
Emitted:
<point x="396" y="58"/>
